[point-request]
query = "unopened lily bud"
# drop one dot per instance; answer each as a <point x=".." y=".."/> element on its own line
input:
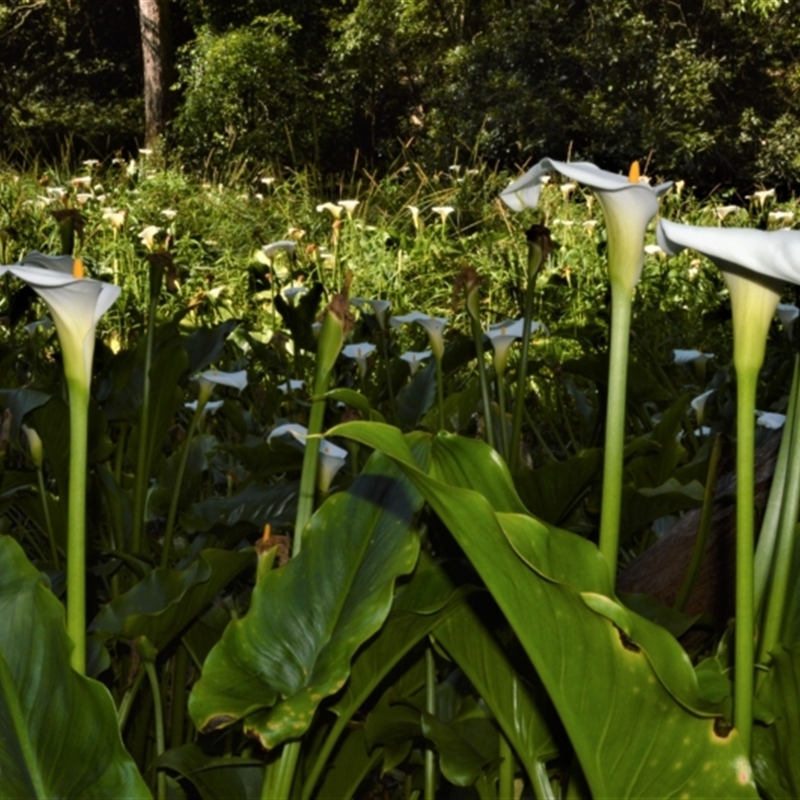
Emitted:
<point x="540" y="245"/>
<point x="145" y="648"/>
<point x="266" y="550"/>
<point x="34" y="445"/>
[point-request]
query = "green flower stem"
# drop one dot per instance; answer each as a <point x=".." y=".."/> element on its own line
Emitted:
<point x="440" y="390"/>
<point x="534" y="263"/>
<point x="308" y="477"/>
<point x="477" y="335"/>
<point x="47" y="520"/>
<point x="279" y="775"/>
<point x="769" y="526"/>
<point x="176" y="494"/>
<point x="621" y="301"/>
<point x="329" y="345"/>
<point x="152" y="676"/>
<point x="140" y="486"/>
<point x="746" y="380"/>
<point x="76" y="522"/>
<point x="119" y="456"/>
<point x="127" y="700"/>
<point x="505" y="786"/>
<point x="501" y="401"/>
<point x="430" y="707"/>
<point x="180" y="665"/>
<point x="703" y="530"/>
<point x="385" y="353"/>
<point x="539" y="438"/>
<point x="783" y="557"/>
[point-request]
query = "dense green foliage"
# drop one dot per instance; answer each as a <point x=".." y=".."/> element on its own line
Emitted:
<point x="425" y="535"/>
<point x="708" y="91"/>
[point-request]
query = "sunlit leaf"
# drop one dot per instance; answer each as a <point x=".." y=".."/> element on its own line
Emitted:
<point x="555" y="590"/>
<point x="308" y="618"/>
<point x="58" y="730"/>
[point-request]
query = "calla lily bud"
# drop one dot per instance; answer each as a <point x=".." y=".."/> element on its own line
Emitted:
<point x="145" y="648"/>
<point x="266" y="550"/>
<point x="34" y="445"/>
<point x="540" y="245"/>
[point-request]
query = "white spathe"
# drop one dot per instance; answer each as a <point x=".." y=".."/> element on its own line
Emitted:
<point x="755" y="264"/>
<point x="773" y="254"/>
<point x="628" y="209"/>
<point x="433" y="325"/>
<point x="76" y="305"/>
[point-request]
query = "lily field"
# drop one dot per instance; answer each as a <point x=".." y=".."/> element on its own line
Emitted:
<point x="456" y="485"/>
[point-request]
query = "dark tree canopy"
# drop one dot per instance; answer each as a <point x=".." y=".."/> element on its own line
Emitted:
<point x="708" y="91"/>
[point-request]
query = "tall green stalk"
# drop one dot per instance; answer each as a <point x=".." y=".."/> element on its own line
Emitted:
<point x="279" y="775"/>
<point x="538" y="250"/>
<point x="505" y="783"/>
<point x="768" y="535"/>
<point x="439" y="389"/>
<point x="703" y="529"/>
<point x="784" y="550"/>
<point x="158" y="710"/>
<point x="621" y="301"/>
<point x="329" y="345"/>
<point x="746" y="380"/>
<point x="430" y="707"/>
<point x="176" y="494"/>
<point x="142" y="477"/>
<point x="76" y="521"/>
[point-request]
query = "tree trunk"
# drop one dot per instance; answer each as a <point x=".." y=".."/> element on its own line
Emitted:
<point x="154" y="24"/>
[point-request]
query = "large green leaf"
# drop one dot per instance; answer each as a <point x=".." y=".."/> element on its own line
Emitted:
<point x="167" y="600"/>
<point x="777" y="747"/>
<point x="351" y="766"/>
<point x="166" y="396"/>
<point x="308" y="618"/>
<point x="226" y="778"/>
<point x="58" y="730"/>
<point x="635" y="715"/>
<point x="516" y="703"/>
<point x="256" y="504"/>
<point x="467" y="744"/>
<point x="552" y="491"/>
<point x="428" y="600"/>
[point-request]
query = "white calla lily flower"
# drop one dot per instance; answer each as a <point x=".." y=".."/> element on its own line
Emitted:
<point x="699" y="404"/>
<point x="76" y="305"/>
<point x="788" y="314"/>
<point x="359" y="352"/>
<point x="691" y="356"/>
<point x="770" y="419"/>
<point x="291" y="386"/>
<point x="331" y="457"/>
<point x="272" y="249"/>
<point x="754" y="263"/>
<point x="443" y="211"/>
<point x="414" y="358"/>
<point x="211" y="377"/>
<point x="209" y="408"/>
<point x="628" y="206"/>
<point x="379" y="308"/>
<point x="433" y="325"/>
<point x="349" y="206"/>
<point x="504" y="334"/>
<point x="334" y="210"/>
